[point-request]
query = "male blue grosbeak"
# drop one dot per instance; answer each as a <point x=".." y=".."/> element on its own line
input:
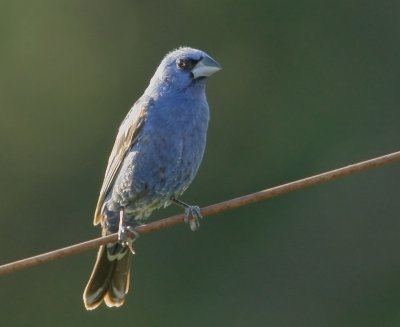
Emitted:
<point x="156" y="155"/>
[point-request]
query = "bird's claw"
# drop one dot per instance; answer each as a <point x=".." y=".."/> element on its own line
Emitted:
<point x="192" y="214"/>
<point x="192" y="217"/>
<point x="126" y="236"/>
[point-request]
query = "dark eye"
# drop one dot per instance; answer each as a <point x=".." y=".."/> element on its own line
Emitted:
<point x="186" y="64"/>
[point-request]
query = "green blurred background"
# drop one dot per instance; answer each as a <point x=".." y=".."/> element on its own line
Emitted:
<point x="307" y="86"/>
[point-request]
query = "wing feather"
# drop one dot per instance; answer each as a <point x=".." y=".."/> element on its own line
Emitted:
<point x="126" y="137"/>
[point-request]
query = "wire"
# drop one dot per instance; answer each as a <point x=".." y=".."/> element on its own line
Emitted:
<point x="206" y="211"/>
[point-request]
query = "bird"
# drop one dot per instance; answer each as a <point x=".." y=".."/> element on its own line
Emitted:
<point x="156" y="155"/>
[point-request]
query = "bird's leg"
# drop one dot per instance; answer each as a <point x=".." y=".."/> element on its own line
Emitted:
<point x="126" y="234"/>
<point x="192" y="214"/>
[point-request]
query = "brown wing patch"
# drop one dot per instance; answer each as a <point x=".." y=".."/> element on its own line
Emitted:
<point x="126" y="137"/>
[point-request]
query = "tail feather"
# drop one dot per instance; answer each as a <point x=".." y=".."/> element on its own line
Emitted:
<point x="109" y="281"/>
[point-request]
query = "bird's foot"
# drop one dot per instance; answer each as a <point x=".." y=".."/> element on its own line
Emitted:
<point x="126" y="234"/>
<point x="192" y="215"/>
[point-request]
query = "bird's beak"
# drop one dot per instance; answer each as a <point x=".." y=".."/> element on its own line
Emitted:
<point x="205" y="67"/>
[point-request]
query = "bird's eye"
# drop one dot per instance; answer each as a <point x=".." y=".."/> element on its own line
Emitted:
<point x="186" y="64"/>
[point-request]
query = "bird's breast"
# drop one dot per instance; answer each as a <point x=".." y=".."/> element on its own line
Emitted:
<point x="164" y="160"/>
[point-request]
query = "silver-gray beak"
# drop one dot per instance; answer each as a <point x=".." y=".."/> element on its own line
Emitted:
<point x="205" y="67"/>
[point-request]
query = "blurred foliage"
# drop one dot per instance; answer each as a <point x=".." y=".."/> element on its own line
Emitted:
<point x="307" y="86"/>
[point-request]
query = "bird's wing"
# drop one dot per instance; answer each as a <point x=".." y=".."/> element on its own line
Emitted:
<point x="126" y="137"/>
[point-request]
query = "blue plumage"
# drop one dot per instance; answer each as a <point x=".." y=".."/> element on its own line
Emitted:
<point x="156" y="155"/>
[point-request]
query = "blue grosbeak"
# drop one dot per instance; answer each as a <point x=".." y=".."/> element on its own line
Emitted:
<point x="156" y="155"/>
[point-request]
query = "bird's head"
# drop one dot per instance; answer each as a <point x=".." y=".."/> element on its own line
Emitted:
<point x="183" y="68"/>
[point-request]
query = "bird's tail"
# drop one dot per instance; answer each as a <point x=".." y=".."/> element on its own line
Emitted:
<point x="109" y="281"/>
